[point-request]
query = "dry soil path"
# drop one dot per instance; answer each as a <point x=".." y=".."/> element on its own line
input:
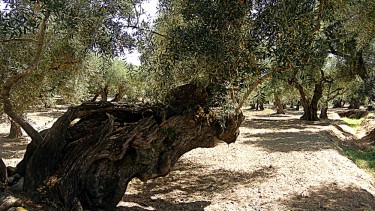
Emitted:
<point x="278" y="163"/>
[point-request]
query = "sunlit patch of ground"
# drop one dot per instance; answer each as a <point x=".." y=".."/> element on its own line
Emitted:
<point x="278" y="163"/>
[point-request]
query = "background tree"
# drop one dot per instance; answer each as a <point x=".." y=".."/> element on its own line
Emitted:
<point x="28" y="28"/>
<point x="203" y="43"/>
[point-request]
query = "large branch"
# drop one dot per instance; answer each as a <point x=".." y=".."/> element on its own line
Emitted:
<point x="302" y="92"/>
<point x="11" y="81"/>
<point x="88" y="163"/>
<point x="336" y="93"/>
<point x="256" y="83"/>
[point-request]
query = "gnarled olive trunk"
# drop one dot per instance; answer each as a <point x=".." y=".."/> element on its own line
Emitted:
<point x="310" y="107"/>
<point x="90" y="154"/>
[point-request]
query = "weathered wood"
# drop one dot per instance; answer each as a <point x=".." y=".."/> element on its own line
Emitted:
<point x="278" y="106"/>
<point x="15" y="130"/>
<point x="91" y="153"/>
<point x="3" y="175"/>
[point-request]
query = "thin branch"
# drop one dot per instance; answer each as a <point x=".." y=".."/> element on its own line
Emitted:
<point x="257" y="82"/>
<point x="337" y="93"/>
<point x="10" y="82"/>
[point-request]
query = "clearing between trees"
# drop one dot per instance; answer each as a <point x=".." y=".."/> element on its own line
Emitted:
<point x="279" y="162"/>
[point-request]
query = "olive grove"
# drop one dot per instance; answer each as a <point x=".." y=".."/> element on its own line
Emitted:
<point x="201" y="60"/>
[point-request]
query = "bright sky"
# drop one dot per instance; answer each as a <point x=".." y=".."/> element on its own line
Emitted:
<point x="150" y="8"/>
<point x="2" y="5"/>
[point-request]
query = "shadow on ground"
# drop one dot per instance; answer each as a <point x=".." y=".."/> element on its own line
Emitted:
<point x="282" y="124"/>
<point x="331" y="197"/>
<point x="277" y="138"/>
<point x="51" y="114"/>
<point x="187" y="181"/>
<point x="10" y="147"/>
<point x="287" y="142"/>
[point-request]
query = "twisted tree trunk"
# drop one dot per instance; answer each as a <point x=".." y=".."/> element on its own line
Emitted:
<point x="90" y="154"/>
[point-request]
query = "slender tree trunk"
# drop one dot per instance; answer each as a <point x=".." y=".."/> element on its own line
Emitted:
<point x="11" y="81"/>
<point x="297" y="106"/>
<point x="104" y="94"/>
<point x="252" y="106"/>
<point x="15" y="130"/>
<point x="95" y="97"/>
<point x="261" y="106"/>
<point x="278" y="106"/>
<point x="324" y="113"/>
<point x="256" y="83"/>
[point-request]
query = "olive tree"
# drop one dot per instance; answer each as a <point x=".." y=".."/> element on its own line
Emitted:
<point x="86" y="159"/>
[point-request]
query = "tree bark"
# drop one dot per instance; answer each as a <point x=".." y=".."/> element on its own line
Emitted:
<point x="261" y="106"/>
<point x="95" y="97"/>
<point x="3" y="175"/>
<point x="310" y="108"/>
<point x="11" y="81"/>
<point x="278" y="106"/>
<point x="91" y="152"/>
<point x="297" y="106"/>
<point x="354" y="103"/>
<point x="15" y="130"/>
<point x="257" y="82"/>
<point x="119" y="95"/>
<point x="104" y="94"/>
<point x="324" y="113"/>
<point x="252" y="106"/>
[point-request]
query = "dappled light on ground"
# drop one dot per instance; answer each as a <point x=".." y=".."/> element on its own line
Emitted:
<point x="332" y="197"/>
<point x="279" y="162"/>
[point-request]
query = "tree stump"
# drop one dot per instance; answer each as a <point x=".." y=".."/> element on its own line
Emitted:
<point x="90" y="154"/>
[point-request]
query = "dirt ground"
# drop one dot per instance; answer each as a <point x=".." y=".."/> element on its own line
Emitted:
<point x="278" y="163"/>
